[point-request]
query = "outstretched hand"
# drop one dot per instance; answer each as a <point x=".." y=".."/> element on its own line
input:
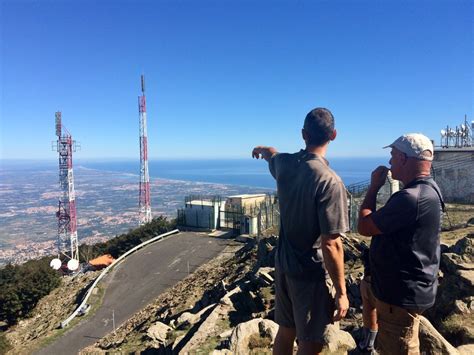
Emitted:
<point x="261" y="152"/>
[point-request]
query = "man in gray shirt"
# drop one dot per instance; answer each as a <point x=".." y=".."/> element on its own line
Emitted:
<point x="309" y="266"/>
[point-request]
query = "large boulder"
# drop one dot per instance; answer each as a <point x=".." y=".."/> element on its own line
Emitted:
<point x="467" y="349"/>
<point x="451" y="262"/>
<point x="432" y="342"/>
<point x="187" y="319"/>
<point x="255" y="334"/>
<point x="464" y="247"/>
<point x="158" y="332"/>
<point x="337" y="340"/>
<point x="461" y="268"/>
<point x="211" y="325"/>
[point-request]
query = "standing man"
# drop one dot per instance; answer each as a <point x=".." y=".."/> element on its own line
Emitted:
<point x="313" y="216"/>
<point x="405" y="251"/>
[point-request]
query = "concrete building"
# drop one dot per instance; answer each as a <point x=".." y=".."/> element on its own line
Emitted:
<point x="244" y="214"/>
<point x="245" y="201"/>
<point x="453" y="171"/>
<point x="253" y="210"/>
<point x="200" y="213"/>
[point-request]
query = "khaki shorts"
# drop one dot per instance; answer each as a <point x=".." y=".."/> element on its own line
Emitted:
<point x="398" y="329"/>
<point x="304" y="305"/>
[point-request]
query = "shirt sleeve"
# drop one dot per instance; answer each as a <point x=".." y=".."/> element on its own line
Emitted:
<point x="399" y="212"/>
<point x="272" y="165"/>
<point x="332" y="210"/>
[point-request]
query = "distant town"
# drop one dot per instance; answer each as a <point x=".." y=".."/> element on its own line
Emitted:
<point x="106" y="206"/>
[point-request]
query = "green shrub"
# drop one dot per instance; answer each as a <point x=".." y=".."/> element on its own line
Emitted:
<point x="22" y="286"/>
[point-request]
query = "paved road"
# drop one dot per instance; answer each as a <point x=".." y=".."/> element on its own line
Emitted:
<point x="137" y="281"/>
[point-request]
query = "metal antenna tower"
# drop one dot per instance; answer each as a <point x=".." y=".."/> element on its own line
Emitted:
<point x="67" y="221"/>
<point x="144" y="205"/>
<point x="462" y="136"/>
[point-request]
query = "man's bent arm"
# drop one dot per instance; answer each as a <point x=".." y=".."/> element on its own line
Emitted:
<point x="366" y="225"/>
<point x="333" y="253"/>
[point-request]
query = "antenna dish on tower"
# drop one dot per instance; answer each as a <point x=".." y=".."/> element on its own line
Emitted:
<point x="55" y="264"/>
<point x="443" y="133"/>
<point x="73" y="264"/>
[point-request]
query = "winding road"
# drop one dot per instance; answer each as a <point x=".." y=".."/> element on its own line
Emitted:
<point x="137" y="281"/>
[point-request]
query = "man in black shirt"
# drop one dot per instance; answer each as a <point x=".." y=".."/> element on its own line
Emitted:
<point x="405" y="251"/>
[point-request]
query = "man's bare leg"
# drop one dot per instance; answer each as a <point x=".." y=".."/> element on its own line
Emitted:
<point x="309" y="348"/>
<point x="284" y="341"/>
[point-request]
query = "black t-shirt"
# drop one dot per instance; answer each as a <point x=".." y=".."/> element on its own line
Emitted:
<point x="405" y="258"/>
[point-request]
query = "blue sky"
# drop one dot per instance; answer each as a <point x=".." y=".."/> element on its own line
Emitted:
<point x="223" y="76"/>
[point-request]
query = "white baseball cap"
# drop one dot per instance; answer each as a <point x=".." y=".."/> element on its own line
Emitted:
<point x="414" y="145"/>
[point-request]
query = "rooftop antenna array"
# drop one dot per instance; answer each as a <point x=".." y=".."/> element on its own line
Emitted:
<point x="460" y="137"/>
<point x="144" y="203"/>
<point x="66" y="214"/>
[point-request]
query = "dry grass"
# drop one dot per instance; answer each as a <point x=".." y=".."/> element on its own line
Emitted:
<point x="256" y="341"/>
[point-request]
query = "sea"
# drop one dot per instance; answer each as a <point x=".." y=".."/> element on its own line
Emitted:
<point x="243" y="172"/>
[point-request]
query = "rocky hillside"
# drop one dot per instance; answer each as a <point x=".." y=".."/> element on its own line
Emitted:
<point x="227" y="306"/>
<point x="33" y="332"/>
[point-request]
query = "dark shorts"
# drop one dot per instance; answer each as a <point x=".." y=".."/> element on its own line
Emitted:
<point x="305" y="305"/>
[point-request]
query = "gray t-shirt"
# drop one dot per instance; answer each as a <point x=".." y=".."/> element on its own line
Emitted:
<point x="313" y="202"/>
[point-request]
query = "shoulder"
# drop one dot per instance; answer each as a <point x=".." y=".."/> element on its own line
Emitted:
<point x="405" y="198"/>
<point x="284" y="160"/>
<point x="281" y="157"/>
<point x="325" y="178"/>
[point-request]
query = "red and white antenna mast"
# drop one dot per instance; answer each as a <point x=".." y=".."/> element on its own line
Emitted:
<point x="144" y="205"/>
<point x="67" y="221"/>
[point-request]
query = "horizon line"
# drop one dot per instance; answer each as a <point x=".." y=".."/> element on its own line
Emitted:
<point x="182" y="158"/>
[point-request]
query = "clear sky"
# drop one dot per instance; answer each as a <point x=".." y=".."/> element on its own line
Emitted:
<point x="223" y="76"/>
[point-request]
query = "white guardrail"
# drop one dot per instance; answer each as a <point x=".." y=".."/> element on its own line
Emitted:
<point x="65" y="322"/>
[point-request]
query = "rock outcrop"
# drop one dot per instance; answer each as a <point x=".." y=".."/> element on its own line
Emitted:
<point x="432" y="342"/>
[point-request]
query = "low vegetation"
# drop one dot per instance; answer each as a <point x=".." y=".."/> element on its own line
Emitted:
<point x="22" y="286"/>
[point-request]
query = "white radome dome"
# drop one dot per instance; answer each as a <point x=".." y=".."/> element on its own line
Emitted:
<point x="55" y="264"/>
<point x="73" y="264"/>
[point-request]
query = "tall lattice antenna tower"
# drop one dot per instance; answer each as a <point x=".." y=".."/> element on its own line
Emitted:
<point x="67" y="221"/>
<point x="144" y="205"/>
